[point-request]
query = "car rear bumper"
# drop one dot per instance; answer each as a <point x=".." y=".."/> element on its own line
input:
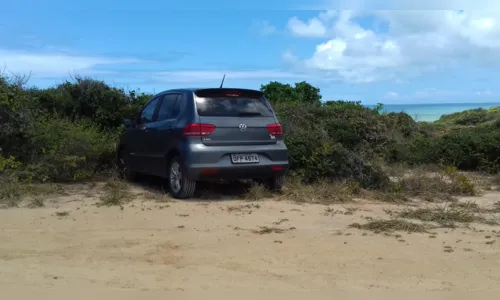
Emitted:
<point x="209" y="172"/>
<point x="214" y="163"/>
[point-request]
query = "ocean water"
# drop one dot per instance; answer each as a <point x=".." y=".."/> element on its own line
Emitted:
<point x="432" y="112"/>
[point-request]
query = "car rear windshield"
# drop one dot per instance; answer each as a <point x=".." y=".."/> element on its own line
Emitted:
<point x="228" y="103"/>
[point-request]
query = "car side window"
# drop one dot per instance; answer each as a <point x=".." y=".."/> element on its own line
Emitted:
<point x="167" y="108"/>
<point x="148" y="111"/>
<point x="176" y="109"/>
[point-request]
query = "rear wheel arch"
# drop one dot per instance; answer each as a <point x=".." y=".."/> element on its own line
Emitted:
<point x="171" y="154"/>
<point x="123" y="167"/>
<point x="180" y="185"/>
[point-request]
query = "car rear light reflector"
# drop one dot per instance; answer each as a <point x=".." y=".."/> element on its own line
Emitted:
<point x="275" y="129"/>
<point x="208" y="171"/>
<point x="196" y="129"/>
<point x="232" y="93"/>
<point x="277" y="169"/>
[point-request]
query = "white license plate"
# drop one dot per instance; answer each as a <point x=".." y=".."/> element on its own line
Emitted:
<point x="245" y="158"/>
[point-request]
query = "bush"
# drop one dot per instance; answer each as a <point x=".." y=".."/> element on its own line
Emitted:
<point x="469" y="149"/>
<point x="333" y="141"/>
<point x="86" y="99"/>
<point x="68" y="133"/>
<point x="414" y="151"/>
<point x="470" y="117"/>
<point x="18" y="113"/>
<point x="69" y="150"/>
<point x="65" y="133"/>
<point x="8" y="163"/>
<point x="401" y="125"/>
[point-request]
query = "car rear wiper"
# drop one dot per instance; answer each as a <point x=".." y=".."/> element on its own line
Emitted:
<point x="249" y="114"/>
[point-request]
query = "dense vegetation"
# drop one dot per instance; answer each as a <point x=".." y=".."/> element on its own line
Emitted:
<point x="68" y="133"/>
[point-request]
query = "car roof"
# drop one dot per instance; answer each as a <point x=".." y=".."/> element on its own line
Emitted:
<point x="197" y="89"/>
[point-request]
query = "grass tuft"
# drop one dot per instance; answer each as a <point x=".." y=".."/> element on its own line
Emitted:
<point x="445" y="216"/>
<point x="116" y="193"/>
<point x="161" y="197"/>
<point x="256" y="192"/>
<point x="391" y="225"/>
<point x="436" y="185"/>
<point x="269" y="230"/>
<point x="322" y="192"/>
<point x="62" y="214"/>
<point x="12" y="193"/>
<point x="36" y="202"/>
<point x="496" y="207"/>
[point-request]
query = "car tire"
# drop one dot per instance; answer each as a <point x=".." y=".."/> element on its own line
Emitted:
<point x="180" y="186"/>
<point x="124" y="170"/>
<point x="276" y="184"/>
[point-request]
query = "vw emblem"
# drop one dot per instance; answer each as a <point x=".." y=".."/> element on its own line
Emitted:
<point x="243" y="127"/>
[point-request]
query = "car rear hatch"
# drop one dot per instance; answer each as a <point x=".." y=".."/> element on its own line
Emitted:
<point x="240" y="117"/>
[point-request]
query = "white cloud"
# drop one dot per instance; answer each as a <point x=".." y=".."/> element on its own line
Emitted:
<point x="399" y="4"/>
<point x="289" y="57"/>
<point x="312" y="28"/>
<point x="434" y="94"/>
<point x="199" y="76"/>
<point x="264" y="28"/>
<point x="485" y="93"/>
<point x="53" y="65"/>
<point x="391" y="95"/>
<point x="413" y="42"/>
<point x="48" y="65"/>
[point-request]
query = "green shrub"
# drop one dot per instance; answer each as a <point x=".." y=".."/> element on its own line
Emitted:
<point x="470" y="117"/>
<point x="65" y="133"/>
<point x="68" y="151"/>
<point x="8" y="163"/>
<point x="415" y="151"/>
<point x="86" y="98"/>
<point x="401" y="125"/>
<point x="68" y="133"/>
<point x="469" y="149"/>
<point x="356" y="127"/>
<point x="328" y="142"/>
<point x="91" y="99"/>
<point x="18" y="114"/>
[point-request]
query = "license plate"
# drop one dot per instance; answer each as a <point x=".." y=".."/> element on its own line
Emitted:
<point x="245" y="158"/>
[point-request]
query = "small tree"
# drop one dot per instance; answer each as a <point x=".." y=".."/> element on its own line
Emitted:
<point x="302" y="92"/>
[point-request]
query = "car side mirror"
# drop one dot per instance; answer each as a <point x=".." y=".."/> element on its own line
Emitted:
<point x="128" y="123"/>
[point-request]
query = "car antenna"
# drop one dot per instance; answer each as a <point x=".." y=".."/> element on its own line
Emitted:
<point x="224" y="77"/>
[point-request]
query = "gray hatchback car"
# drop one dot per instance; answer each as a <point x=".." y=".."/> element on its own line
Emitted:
<point x="190" y="135"/>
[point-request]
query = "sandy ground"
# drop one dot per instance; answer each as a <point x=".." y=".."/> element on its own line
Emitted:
<point x="213" y="246"/>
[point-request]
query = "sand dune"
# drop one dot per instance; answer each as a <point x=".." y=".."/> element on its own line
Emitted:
<point x="72" y="245"/>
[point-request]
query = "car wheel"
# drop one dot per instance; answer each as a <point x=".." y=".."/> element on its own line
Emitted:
<point x="276" y="184"/>
<point x="179" y="184"/>
<point x="125" y="172"/>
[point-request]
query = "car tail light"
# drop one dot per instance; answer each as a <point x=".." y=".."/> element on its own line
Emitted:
<point x="275" y="129"/>
<point x="232" y="93"/>
<point x="196" y="129"/>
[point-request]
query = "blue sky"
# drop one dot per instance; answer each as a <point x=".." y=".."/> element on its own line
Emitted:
<point x="374" y="56"/>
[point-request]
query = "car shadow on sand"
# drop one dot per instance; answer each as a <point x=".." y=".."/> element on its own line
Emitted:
<point x="205" y="191"/>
